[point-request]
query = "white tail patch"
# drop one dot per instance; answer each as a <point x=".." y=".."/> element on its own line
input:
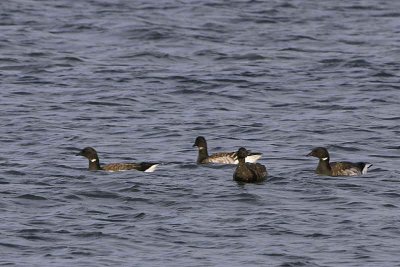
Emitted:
<point x="365" y="169"/>
<point x="252" y="158"/>
<point x="152" y="168"/>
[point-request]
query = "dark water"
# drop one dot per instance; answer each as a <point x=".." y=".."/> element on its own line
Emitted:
<point x="139" y="80"/>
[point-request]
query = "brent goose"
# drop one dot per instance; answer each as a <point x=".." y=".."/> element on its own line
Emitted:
<point x="343" y="168"/>
<point x="248" y="172"/>
<point x="94" y="163"/>
<point x="221" y="157"/>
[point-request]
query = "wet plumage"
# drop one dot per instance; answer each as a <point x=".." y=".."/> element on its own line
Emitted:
<point x="94" y="163"/>
<point x="248" y="172"/>
<point x="343" y="168"/>
<point x="220" y="157"/>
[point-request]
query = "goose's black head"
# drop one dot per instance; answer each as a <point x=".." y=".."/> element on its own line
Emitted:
<point x="89" y="153"/>
<point x="319" y="152"/>
<point x="242" y="153"/>
<point x="200" y="142"/>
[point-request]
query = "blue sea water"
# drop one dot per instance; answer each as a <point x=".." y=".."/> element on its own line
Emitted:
<point x="139" y="80"/>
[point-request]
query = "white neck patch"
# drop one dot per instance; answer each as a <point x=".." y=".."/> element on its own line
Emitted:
<point x="324" y="158"/>
<point x="93" y="160"/>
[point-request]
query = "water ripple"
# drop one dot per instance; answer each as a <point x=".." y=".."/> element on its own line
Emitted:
<point x="139" y="81"/>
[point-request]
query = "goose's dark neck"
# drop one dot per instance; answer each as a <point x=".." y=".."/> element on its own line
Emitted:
<point x="242" y="161"/>
<point x="324" y="167"/>
<point x="203" y="154"/>
<point x="94" y="164"/>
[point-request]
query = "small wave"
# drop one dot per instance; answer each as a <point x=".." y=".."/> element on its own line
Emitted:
<point x="357" y="63"/>
<point x="298" y="263"/>
<point x="70" y="59"/>
<point x="98" y="194"/>
<point x="391" y="206"/>
<point x="11" y="245"/>
<point x="331" y="62"/>
<point x="248" y="56"/>
<point x="317" y="235"/>
<point x="38" y="54"/>
<point x="387" y="15"/>
<point x="149" y="34"/>
<point x="137" y="199"/>
<point x="8" y="60"/>
<point x="390" y="194"/>
<point x="15" y="173"/>
<point x="322" y="199"/>
<point x="32" y="197"/>
<point x="103" y="103"/>
<point x="383" y="74"/>
<point x="75" y="197"/>
<point x="95" y="234"/>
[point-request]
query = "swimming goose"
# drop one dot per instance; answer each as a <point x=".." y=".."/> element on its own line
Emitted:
<point x="221" y="157"/>
<point x="343" y="168"/>
<point x="248" y="172"/>
<point x="94" y="163"/>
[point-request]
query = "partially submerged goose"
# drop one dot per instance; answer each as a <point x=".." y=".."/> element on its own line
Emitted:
<point x="248" y="172"/>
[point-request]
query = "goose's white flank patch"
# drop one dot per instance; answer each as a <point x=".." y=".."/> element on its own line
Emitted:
<point x="152" y="168"/>
<point x="252" y="158"/>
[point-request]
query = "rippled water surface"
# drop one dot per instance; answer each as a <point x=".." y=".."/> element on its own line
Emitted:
<point x="139" y="80"/>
